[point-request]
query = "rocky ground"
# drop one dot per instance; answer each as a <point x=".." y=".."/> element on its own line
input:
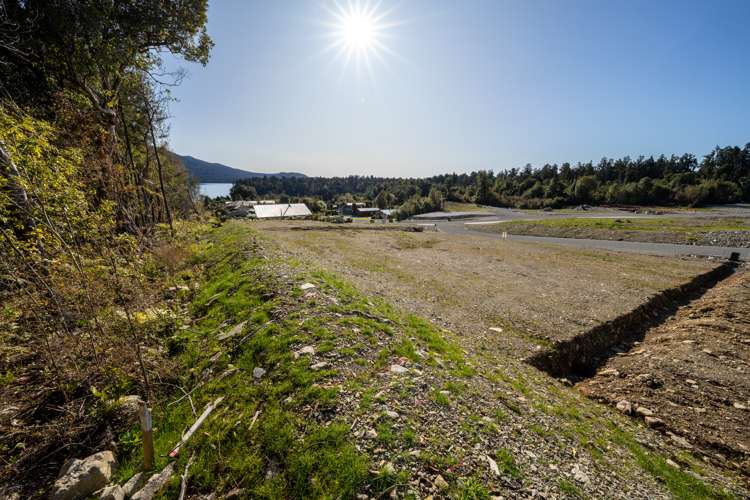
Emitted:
<point x="690" y="377"/>
<point x="323" y="389"/>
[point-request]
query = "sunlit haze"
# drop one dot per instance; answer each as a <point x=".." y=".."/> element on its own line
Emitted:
<point x="415" y="88"/>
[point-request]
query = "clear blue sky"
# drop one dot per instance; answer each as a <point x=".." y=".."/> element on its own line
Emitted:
<point x="472" y="84"/>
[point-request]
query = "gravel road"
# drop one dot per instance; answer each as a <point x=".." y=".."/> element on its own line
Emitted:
<point x="669" y="249"/>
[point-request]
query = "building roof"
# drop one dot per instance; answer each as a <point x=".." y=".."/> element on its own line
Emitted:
<point x="368" y="210"/>
<point x="282" y="210"/>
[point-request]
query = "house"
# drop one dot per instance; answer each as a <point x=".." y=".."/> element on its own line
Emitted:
<point x="281" y="211"/>
<point x="350" y="208"/>
<point x="265" y="209"/>
<point x="367" y="212"/>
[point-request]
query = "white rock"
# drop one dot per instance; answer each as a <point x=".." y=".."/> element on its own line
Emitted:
<point x="609" y="372"/>
<point x="134" y="484"/>
<point x="579" y="475"/>
<point x="113" y="492"/>
<point x="644" y="412"/>
<point x="398" y="369"/>
<point x="391" y="413"/>
<point x="739" y="406"/>
<point x="308" y="349"/>
<point x="371" y="434"/>
<point x="496" y="329"/>
<point x="306" y="286"/>
<point x="493" y="466"/>
<point x="81" y="478"/>
<point x="155" y="484"/>
<point x="320" y="365"/>
<point x="236" y="330"/>
<point x="258" y="372"/>
<point x="625" y="407"/>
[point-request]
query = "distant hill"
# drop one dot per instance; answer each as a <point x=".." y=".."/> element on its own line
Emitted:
<point x="216" y="172"/>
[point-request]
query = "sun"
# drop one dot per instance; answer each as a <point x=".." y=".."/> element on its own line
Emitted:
<point x="358" y="31"/>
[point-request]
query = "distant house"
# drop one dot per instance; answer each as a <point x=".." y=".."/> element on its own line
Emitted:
<point x="350" y="208"/>
<point x="367" y="212"/>
<point x="265" y="209"/>
<point x="281" y="211"/>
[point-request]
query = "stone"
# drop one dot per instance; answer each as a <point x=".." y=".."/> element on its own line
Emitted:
<point x="80" y="478"/>
<point x="644" y="412"/>
<point x="739" y="405"/>
<point x="236" y="330"/>
<point x="398" y="369"/>
<point x="441" y="483"/>
<point x="654" y="422"/>
<point x="128" y="406"/>
<point x="391" y="414"/>
<point x="624" y="407"/>
<point x="496" y="329"/>
<point x="371" y="434"/>
<point x="320" y="365"/>
<point x="113" y="492"/>
<point x="308" y="349"/>
<point x="258" y="372"/>
<point x="134" y="484"/>
<point x="155" y="484"/>
<point x="493" y="466"/>
<point x="679" y="440"/>
<point x="579" y="475"/>
<point x="609" y="372"/>
<point x="306" y="286"/>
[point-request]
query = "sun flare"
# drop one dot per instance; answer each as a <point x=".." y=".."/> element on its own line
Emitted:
<point x="358" y="31"/>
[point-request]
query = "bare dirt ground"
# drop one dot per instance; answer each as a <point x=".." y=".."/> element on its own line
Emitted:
<point x="532" y="295"/>
<point x="693" y="374"/>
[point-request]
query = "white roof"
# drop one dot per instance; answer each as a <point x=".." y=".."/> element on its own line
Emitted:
<point x="282" y="210"/>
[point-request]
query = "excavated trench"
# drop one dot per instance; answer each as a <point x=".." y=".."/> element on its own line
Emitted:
<point x="579" y="358"/>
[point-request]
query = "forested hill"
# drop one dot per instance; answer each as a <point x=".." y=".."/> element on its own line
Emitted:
<point x="216" y="172"/>
<point x="721" y="176"/>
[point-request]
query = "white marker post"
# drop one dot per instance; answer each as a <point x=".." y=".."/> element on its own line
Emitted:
<point x="147" y="433"/>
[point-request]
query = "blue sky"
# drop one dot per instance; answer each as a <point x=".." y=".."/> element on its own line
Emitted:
<point x="471" y="84"/>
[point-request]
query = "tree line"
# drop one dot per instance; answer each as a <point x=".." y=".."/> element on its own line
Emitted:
<point x="722" y="176"/>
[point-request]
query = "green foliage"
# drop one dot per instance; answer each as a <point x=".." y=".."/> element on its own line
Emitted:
<point x="507" y="464"/>
<point x="723" y="176"/>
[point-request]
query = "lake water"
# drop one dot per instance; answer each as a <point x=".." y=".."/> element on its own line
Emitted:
<point x="215" y="189"/>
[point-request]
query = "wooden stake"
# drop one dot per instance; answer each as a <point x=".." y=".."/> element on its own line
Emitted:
<point x="144" y="413"/>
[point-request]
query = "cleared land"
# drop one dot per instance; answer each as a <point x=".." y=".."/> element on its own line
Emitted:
<point x="536" y="294"/>
<point x="542" y="435"/>
<point x="733" y="231"/>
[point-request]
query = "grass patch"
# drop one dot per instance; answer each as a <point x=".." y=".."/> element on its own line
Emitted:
<point x="679" y="483"/>
<point x="507" y="464"/>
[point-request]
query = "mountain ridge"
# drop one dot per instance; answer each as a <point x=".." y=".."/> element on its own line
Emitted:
<point x="210" y="172"/>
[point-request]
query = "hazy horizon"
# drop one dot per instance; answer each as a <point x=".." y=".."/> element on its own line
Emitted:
<point x="462" y="87"/>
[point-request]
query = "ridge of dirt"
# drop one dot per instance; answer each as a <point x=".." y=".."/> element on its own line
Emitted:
<point x="578" y="358"/>
<point x="693" y="373"/>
